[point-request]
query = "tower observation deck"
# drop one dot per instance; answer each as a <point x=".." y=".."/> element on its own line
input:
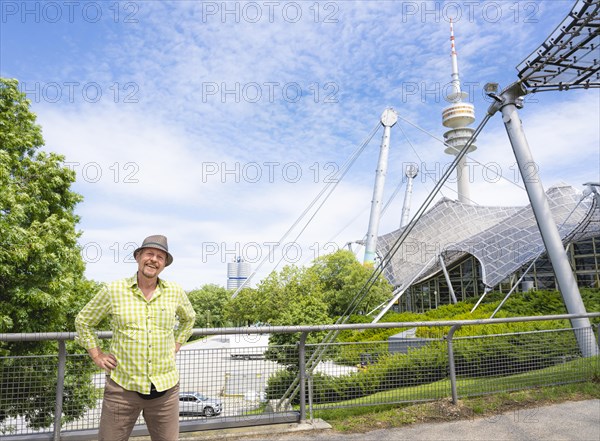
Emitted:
<point x="457" y="117"/>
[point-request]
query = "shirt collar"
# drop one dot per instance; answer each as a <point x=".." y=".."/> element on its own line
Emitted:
<point x="132" y="281"/>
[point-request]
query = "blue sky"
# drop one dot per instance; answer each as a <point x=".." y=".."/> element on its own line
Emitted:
<point x="217" y="123"/>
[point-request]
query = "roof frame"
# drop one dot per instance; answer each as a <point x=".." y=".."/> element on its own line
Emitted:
<point x="570" y="56"/>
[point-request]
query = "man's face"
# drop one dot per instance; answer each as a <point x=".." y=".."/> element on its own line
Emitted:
<point x="151" y="262"/>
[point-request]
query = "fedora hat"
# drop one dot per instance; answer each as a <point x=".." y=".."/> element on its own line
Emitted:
<point x="160" y="243"/>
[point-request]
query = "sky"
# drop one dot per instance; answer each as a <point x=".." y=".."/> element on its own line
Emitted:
<point x="219" y="124"/>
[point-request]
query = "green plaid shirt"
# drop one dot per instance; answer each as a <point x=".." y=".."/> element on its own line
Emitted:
<point x="144" y="332"/>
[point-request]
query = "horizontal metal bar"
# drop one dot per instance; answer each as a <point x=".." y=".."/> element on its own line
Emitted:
<point x="184" y="426"/>
<point x="508" y="334"/>
<point x="43" y="336"/>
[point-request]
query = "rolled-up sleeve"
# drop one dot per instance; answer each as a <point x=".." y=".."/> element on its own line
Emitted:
<point x="88" y="318"/>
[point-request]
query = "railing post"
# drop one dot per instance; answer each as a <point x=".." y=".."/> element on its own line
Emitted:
<point x="310" y="398"/>
<point x="451" y="365"/>
<point x="60" y="384"/>
<point x="302" y="374"/>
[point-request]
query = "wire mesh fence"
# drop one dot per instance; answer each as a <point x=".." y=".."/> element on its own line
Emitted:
<point x="24" y="380"/>
<point x="373" y="373"/>
<point x="240" y="377"/>
<point x="231" y="370"/>
<point x="502" y="363"/>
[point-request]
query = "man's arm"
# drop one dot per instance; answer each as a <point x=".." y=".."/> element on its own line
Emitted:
<point x="93" y="313"/>
<point x="187" y="316"/>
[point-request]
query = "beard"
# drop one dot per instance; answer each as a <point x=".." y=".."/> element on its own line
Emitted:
<point x="149" y="271"/>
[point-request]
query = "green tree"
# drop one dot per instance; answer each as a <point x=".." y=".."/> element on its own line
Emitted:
<point x="209" y="302"/>
<point x="335" y="280"/>
<point x="271" y="297"/>
<point x="342" y="278"/>
<point x="302" y="310"/>
<point x="245" y="309"/>
<point x="41" y="269"/>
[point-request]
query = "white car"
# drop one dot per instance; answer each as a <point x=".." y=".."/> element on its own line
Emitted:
<point x="194" y="403"/>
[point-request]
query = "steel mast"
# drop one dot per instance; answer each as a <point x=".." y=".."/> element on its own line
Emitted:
<point x="388" y="119"/>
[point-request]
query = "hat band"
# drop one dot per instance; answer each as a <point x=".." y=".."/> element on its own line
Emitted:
<point x="148" y="244"/>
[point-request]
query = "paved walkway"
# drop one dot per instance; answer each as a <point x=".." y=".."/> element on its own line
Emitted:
<point x="574" y="420"/>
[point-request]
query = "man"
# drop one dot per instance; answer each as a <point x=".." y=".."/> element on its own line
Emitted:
<point x="141" y="371"/>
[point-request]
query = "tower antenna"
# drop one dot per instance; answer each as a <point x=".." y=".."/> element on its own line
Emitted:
<point x="457" y="94"/>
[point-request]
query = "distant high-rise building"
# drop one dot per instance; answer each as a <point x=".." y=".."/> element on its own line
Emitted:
<point x="238" y="272"/>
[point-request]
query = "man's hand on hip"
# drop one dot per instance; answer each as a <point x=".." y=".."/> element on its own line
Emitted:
<point x="104" y="361"/>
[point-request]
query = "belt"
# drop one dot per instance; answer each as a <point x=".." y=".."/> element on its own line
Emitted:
<point x="153" y="393"/>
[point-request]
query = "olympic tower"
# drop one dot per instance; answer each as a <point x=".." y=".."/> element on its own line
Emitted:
<point x="457" y="116"/>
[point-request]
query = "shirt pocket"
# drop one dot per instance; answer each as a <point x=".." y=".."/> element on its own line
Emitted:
<point x="165" y="317"/>
<point x="128" y="317"/>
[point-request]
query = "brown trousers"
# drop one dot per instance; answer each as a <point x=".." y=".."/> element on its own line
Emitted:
<point x="122" y="407"/>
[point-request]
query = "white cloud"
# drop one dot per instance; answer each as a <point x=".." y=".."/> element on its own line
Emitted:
<point x="215" y="100"/>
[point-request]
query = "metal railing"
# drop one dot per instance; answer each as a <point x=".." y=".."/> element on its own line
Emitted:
<point x="245" y="379"/>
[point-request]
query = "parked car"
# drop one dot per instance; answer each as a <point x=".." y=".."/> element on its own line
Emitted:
<point x="194" y="403"/>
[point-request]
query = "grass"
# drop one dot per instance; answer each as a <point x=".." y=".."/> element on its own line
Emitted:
<point x="577" y="370"/>
<point x="479" y="398"/>
<point x="364" y="419"/>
